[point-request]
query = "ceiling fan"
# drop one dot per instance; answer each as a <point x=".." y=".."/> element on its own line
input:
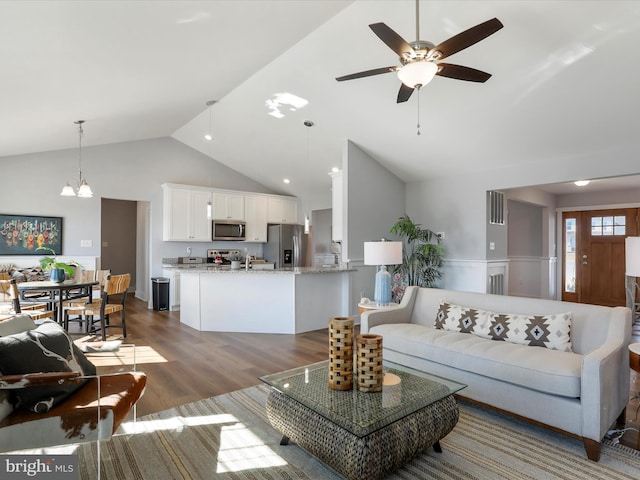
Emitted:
<point x="420" y="59"/>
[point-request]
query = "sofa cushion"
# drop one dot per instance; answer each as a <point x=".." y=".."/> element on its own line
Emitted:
<point x="550" y="331"/>
<point x="47" y="348"/>
<point x="17" y="324"/>
<point x="542" y="369"/>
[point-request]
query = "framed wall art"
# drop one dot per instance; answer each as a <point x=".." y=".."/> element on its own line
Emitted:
<point x="25" y="234"/>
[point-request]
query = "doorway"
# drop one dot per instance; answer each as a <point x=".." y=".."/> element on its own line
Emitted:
<point x="118" y="237"/>
<point x="593" y="255"/>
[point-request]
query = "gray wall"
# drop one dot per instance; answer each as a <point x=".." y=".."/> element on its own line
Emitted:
<point x="456" y="204"/>
<point x="123" y="171"/>
<point x="374" y="200"/>
<point x="525" y="229"/>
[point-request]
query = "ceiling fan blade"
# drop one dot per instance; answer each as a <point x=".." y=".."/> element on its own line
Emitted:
<point x="467" y="38"/>
<point x="367" y="73"/>
<point x="394" y="41"/>
<point x="459" y="72"/>
<point x="404" y="94"/>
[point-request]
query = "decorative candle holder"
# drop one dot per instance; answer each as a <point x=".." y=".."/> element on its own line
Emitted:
<point x="369" y="362"/>
<point x="341" y="353"/>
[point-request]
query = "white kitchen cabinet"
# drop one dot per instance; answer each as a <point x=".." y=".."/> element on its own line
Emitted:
<point x="282" y="210"/>
<point x="173" y="274"/>
<point x="185" y="214"/>
<point x="256" y="218"/>
<point x="228" y="206"/>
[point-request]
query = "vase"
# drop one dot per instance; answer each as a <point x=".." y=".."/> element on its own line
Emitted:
<point x="369" y="362"/>
<point x="57" y="275"/>
<point x="341" y="353"/>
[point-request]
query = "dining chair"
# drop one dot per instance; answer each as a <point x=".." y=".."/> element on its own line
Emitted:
<point x="9" y="288"/>
<point x="86" y="276"/>
<point x="113" y="297"/>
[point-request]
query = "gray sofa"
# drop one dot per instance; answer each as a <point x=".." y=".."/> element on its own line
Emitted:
<point x="582" y="391"/>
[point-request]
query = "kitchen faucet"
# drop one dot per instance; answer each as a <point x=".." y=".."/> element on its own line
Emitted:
<point x="247" y="262"/>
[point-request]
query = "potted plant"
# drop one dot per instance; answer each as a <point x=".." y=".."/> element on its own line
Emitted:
<point x="58" y="269"/>
<point x="422" y="257"/>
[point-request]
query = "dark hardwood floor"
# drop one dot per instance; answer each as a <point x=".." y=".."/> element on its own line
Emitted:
<point x="184" y="365"/>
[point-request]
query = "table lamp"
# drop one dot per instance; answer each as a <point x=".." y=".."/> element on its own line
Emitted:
<point x="382" y="253"/>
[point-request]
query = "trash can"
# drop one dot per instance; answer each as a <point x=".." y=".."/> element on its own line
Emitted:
<point x="160" y="287"/>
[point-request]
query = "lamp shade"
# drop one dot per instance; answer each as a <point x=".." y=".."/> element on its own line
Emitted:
<point x="632" y="256"/>
<point x="417" y="73"/>
<point x="382" y="253"/>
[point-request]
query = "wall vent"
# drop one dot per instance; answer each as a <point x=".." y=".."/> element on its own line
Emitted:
<point x="496" y="208"/>
<point x="496" y="283"/>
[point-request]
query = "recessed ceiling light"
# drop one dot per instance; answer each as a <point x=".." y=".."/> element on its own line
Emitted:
<point x="581" y="183"/>
<point x="208" y="137"/>
<point x="286" y="180"/>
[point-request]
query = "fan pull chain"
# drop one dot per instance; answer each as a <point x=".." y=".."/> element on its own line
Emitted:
<point x="418" y="125"/>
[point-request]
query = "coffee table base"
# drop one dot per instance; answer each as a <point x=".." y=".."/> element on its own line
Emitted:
<point x="372" y="456"/>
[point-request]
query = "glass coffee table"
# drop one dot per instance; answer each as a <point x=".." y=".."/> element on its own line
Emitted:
<point x="362" y="434"/>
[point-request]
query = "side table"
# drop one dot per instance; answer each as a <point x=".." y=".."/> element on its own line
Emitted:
<point x="366" y="306"/>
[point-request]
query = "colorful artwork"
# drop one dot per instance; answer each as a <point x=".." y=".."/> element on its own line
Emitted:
<point x="24" y="234"/>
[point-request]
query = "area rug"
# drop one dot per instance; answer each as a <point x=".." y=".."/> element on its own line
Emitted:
<point x="229" y="437"/>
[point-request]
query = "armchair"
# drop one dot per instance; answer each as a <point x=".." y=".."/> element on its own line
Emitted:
<point x="56" y="398"/>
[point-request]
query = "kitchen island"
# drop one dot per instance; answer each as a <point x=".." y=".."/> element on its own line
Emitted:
<point x="263" y="301"/>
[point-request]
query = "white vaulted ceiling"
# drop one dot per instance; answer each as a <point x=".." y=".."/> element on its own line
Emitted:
<point x="564" y="82"/>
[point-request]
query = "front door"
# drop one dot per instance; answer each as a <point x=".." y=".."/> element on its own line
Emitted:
<point x="593" y="261"/>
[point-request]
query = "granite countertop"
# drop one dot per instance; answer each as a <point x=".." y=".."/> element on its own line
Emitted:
<point x="295" y="271"/>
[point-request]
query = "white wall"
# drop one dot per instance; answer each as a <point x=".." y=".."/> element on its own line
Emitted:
<point x="31" y="185"/>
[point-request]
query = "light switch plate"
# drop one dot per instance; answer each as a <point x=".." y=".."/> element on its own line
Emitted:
<point x="86" y="243"/>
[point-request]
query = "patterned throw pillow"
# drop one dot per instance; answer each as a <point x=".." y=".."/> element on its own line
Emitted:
<point x="457" y="318"/>
<point x="551" y="331"/>
<point x="47" y="348"/>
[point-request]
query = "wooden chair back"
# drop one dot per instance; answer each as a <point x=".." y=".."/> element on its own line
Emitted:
<point x="4" y="287"/>
<point x="10" y="289"/>
<point x="117" y="284"/>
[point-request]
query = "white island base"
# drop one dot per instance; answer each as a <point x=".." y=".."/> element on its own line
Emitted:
<point x="292" y="301"/>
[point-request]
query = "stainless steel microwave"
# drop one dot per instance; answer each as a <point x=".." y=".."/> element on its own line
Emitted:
<point x="228" y="230"/>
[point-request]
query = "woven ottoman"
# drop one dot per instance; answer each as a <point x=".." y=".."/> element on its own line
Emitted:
<point x="371" y="456"/>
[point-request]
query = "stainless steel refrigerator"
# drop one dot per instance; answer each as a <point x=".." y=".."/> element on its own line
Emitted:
<point x="287" y="246"/>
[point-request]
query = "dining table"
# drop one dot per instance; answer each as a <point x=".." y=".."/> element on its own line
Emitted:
<point x="55" y="293"/>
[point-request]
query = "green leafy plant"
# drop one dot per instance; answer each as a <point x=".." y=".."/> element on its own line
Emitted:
<point x="50" y="263"/>
<point x="422" y="254"/>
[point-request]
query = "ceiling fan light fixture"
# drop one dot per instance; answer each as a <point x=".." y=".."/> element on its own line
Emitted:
<point x="417" y="74"/>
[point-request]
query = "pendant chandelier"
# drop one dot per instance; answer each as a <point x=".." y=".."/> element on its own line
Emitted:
<point x="84" y="190"/>
<point x="209" y="138"/>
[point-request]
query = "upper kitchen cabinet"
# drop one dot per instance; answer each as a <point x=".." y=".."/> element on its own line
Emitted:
<point x="185" y="214"/>
<point x="256" y="218"/>
<point x="282" y="210"/>
<point x="228" y="206"/>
